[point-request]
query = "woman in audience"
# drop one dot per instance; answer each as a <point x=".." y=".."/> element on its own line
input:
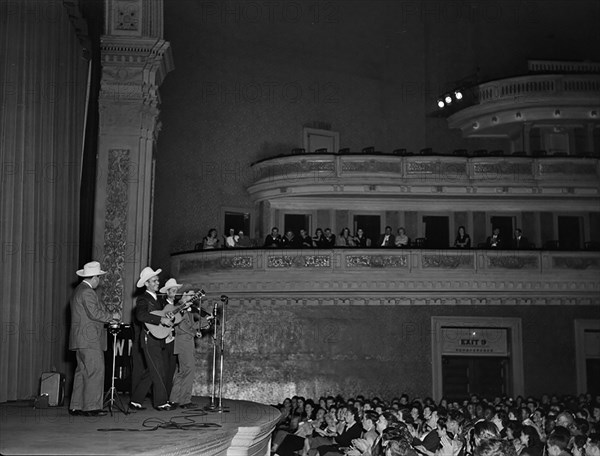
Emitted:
<point x="344" y="239"/>
<point x="530" y="439"/>
<point x="401" y="240"/>
<point x="462" y="241"/>
<point x="318" y="239"/>
<point x="210" y="241"/>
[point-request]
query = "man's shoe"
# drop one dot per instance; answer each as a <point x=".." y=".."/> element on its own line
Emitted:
<point x="189" y="405"/>
<point x="136" y="406"/>
<point x="173" y="405"/>
<point x="95" y="413"/>
<point x="164" y="408"/>
<point x="74" y="412"/>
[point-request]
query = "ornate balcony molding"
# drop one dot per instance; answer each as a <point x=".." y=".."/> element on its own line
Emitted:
<point x="505" y="105"/>
<point x="316" y="181"/>
<point x="395" y="277"/>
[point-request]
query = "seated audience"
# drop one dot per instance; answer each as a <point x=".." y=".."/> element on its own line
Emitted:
<point x="231" y="240"/>
<point x="344" y="239"/>
<point x="402" y="240"/>
<point x="318" y="239"/>
<point x="328" y="239"/>
<point x="462" y="241"/>
<point x="210" y="241"/>
<point x="494" y="241"/>
<point x="520" y="242"/>
<point x="290" y="240"/>
<point x="387" y="238"/>
<point x="305" y="239"/>
<point x="243" y="240"/>
<point x="273" y="240"/>
<point x="361" y="240"/>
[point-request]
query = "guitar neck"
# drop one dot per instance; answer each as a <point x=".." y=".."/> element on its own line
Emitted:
<point x="194" y="297"/>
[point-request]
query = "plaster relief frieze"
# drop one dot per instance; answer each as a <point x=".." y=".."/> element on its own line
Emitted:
<point x="297" y="170"/>
<point x="512" y="262"/>
<point x="127" y="15"/>
<point x="447" y="261"/>
<point x="371" y="166"/>
<point x="577" y="263"/>
<point x="568" y="168"/>
<point x="376" y="261"/>
<point x="301" y="261"/>
<point x="503" y="168"/>
<point x="115" y="226"/>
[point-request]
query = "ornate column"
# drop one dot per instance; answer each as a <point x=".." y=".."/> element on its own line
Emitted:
<point x="135" y="61"/>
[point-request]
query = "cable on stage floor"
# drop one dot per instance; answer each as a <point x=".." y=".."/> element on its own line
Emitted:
<point x="154" y="423"/>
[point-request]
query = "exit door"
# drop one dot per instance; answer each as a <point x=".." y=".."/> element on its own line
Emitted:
<point x="482" y="375"/>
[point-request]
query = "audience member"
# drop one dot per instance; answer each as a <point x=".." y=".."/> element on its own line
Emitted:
<point x="387" y="238"/>
<point x="402" y="240"/>
<point x="305" y="239"/>
<point x="273" y="240"/>
<point x="319" y="239"/>
<point x="243" y="240"/>
<point x="462" y="241"/>
<point x="290" y="240"/>
<point x="231" y="240"/>
<point x="328" y="239"/>
<point x="344" y="239"/>
<point x="210" y="241"/>
<point x="494" y="241"/>
<point x="520" y="242"/>
<point x="361" y="240"/>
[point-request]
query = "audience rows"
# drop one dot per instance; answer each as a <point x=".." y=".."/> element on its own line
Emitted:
<point x="549" y="426"/>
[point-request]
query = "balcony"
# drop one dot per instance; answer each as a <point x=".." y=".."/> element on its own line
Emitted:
<point x="395" y="276"/>
<point x="504" y="105"/>
<point x="324" y="181"/>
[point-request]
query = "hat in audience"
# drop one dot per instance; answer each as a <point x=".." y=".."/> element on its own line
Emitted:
<point x="90" y="269"/>
<point x="171" y="283"/>
<point x="147" y="273"/>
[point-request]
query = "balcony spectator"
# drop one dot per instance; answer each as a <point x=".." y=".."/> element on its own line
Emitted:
<point x="290" y="240"/>
<point x="244" y="241"/>
<point x="318" y="239"/>
<point x="463" y="240"/>
<point x="520" y="242"/>
<point x="231" y="240"/>
<point x="273" y="240"/>
<point x="361" y="240"/>
<point x="328" y="239"/>
<point x="387" y="239"/>
<point x="344" y="239"/>
<point x="211" y="240"/>
<point x="494" y="241"/>
<point x="305" y="239"/>
<point x="402" y="240"/>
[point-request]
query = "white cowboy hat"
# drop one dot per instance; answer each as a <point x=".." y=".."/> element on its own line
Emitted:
<point x="171" y="283"/>
<point x="147" y="273"/>
<point x="90" y="269"/>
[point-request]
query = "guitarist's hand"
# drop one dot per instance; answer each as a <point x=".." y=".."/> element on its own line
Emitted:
<point x="186" y="296"/>
<point x="166" y="321"/>
<point x="199" y="334"/>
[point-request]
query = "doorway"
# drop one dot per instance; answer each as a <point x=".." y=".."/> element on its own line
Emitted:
<point x="569" y="232"/>
<point x="238" y="221"/>
<point x="505" y="223"/>
<point x="482" y="375"/>
<point x="295" y="223"/>
<point x="437" y="231"/>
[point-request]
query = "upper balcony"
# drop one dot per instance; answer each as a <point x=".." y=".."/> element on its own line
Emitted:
<point x="563" y="96"/>
<point x="348" y="181"/>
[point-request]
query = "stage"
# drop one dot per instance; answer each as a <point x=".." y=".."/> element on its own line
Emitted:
<point x="244" y="430"/>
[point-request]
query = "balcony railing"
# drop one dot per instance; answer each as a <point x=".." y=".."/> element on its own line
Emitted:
<point x="316" y="274"/>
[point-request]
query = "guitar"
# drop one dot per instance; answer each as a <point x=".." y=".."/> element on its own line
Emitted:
<point x="173" y="313"/>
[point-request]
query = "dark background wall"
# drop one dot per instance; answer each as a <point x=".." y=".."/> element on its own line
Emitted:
<point x="276" y="350"/>
<point x="249" y="75"/>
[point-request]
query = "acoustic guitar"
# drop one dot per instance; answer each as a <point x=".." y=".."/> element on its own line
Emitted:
<point x="174" y="313"/>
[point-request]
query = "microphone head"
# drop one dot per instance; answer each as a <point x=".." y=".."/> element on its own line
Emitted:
<point x="224" y="298"/>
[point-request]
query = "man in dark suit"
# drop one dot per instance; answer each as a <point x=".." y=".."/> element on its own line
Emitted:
<point x="520" y="242"/>
<point x="88" y="339"/>
<point x="153" y="349"/>
<point x="273" y="240"/>
<point x="387" y="239"/>
<point x="494" y="241"/>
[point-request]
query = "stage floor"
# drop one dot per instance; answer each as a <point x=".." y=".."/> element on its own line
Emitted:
<point x="245" y="429"/>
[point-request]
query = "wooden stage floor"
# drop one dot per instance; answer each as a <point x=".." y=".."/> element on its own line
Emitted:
<point x="245" y="429"/>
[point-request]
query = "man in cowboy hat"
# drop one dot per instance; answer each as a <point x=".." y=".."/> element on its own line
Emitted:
<point x="88" y="339"/>
<point x="184" y="349"/>
<point x="153" y="349"/>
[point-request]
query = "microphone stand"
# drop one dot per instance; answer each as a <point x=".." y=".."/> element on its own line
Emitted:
<point x="213" y="406"/>
<point x="112" y="398"/>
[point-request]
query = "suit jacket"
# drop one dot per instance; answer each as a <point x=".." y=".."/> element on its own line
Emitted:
<point x="522" y="243"/>
<point x="351" y="433"/>
<point x="145" y="304"/>
<point x="390" y="243"/>
<point x="88" y="316"/>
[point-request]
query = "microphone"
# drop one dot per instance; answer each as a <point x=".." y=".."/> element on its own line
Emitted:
<point x="224" y="298"/>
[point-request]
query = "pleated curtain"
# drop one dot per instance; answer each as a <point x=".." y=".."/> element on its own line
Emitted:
<point x="43" y="95"/>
